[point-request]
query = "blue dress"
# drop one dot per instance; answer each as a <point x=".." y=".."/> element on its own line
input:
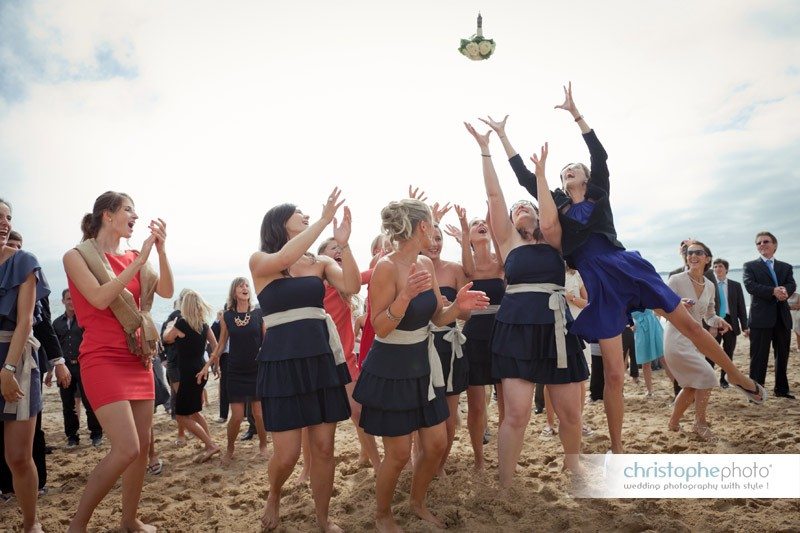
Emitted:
<point x="648" y="337"/>
<point x="393" y="386"/>
<point x="523" y="339"/>
<point x="478" y="331"/>
<point x="298" y="380"/>
<point x="617" y="282"/>
<point x="13" y="273"/>
<point x="445" y="350"/>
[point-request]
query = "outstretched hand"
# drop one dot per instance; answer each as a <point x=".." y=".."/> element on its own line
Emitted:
<point x="439" y="211"/>
<point x="539" y="161"/>
<point x="483" y="140"/>
<point x="341" y="232"/>
<point x="569" y="103"/>
<point x="454" y="232"/>
<point x="417" y="194"/>
<point x="498" y="127"/>
<point x="468" y="300"/>
<point x="332" y="205"/>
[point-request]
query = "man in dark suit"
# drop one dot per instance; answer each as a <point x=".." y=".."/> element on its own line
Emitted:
<point x="730" y="306"/>
<point x="770" y="283"/>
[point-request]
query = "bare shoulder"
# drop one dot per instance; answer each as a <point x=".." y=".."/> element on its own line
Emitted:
<point x="425" y="262"/>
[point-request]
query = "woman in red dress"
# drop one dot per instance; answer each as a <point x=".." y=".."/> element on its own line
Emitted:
<point x="118" y="383"/>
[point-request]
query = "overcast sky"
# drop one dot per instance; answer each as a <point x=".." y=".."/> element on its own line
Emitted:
<point x="209" y="113"/>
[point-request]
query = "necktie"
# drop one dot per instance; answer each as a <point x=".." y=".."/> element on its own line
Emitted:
<point x="772" y="271"/>
<point x="723" y="301"/>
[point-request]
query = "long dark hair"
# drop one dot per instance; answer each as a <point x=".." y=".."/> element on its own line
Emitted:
<point x="273" y="230"/>
<point x="108" y="201"/>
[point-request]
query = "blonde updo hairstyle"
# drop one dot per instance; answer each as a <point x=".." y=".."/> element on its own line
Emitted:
<point x="400" y="219"/>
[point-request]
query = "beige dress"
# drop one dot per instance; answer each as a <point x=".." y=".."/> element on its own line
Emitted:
<point x="686" y="363"/>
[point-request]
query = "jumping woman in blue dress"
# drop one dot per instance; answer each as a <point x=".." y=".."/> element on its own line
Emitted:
<point x="618" y="281"/>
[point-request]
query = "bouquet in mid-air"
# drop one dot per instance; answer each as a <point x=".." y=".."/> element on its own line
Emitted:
<point x="477" y="47"/>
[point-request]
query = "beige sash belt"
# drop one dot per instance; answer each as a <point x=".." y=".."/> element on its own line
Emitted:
<point x="399" y="336"/>
<point x="456" y="339"/>
<point x="306" y="313"/>
<point x="558" y="304"/>
<point x="22" y="408"/>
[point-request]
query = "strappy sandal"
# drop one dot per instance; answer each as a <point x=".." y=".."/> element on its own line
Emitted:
<point x="757" y="396"/>
<point x="705" y="433"/>
<point x="155" y="468"/>
<point x="548" y="432"/>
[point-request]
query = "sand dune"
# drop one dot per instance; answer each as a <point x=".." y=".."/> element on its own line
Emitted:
<point x="211" y="497"/>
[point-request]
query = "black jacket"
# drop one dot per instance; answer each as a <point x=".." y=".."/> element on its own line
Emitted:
<point x="765" y="310"/>
<point x="736" y="308"/>
<point x="69" y="338"/>
<point x="574" y="233"/>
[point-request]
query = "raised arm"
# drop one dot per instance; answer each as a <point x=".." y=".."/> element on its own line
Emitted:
<point x="599" y="170"/>
<point x="467" y="259"/>
<point x="166" y="283"/>
<point x="524" y="176"/>
<point x="497" y="202"/>
<point x="548" y="213"/>
<point x="101" y="296"/>
<point x="345" y="278"/>
<point x="267" y="265"/>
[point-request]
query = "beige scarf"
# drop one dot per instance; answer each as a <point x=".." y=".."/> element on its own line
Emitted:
<point x="140" y="331"/>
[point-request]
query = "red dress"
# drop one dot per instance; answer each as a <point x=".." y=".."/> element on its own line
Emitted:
<point x="367" y="332"/>
<point x="109" y="371"/>
<point x="342" y="316"/>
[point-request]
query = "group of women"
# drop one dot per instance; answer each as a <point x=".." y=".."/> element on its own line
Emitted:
<point x="518" y="332"/>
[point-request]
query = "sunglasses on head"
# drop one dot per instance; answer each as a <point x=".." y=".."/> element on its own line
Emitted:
<point x="696" y="252"/>
<point x="765" y="241"/>
<point x="519" y="203"/>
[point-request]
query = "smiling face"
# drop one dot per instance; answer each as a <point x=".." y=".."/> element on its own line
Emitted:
<point x="5" y="223"/>
<point x="478" y="231"/>
<point x="333" y="250"/>
<point x="121" y="221"/>
<point x="697" y="258"/>
<point x="573" y="174"/>
<point x="243" y="292"/>
<point x="434" y="251"/>
<point x="297" y="223"/>
<point x="766" y="246"/>
<point x="524" y="215"/>
<point x="720" y="271"/>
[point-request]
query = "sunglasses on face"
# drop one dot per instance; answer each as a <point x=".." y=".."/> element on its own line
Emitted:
<point x="759" y="243"/>
<point x="696" y="252"/>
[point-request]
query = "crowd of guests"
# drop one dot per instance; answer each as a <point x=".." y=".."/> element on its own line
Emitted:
<point x="541" y="292"/>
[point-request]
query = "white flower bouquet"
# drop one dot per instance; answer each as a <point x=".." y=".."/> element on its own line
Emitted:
<point x="477" y="47"/>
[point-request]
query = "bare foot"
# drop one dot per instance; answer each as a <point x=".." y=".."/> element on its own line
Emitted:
<point x="137" y="526"/>
<point x="704" y="432"/>
<point x="674" y="426"/>
<point x="386" y="524"/>
<point x="207" y="454"/>
<point x="35" y="528"/>
<point x="479" y="466"/>
<point x="263" y="451"/>
<point x="441" y="473"/>
<point x="423" y="513"/>
<point x="330" y="527"/>
<point x="227" y="458"/>
<point x="272" y="515"/>
<point x="363" y="461"/>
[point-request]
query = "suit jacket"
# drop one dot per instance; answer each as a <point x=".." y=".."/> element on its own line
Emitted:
<point x="765" y="310"/>
<point x="736" y="307"/>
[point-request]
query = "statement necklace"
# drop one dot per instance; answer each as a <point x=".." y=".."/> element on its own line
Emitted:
<point x="242" y="322"/>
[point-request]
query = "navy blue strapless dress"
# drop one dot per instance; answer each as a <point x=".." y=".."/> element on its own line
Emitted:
<point x="523" y="339"/>
<point x="445" y="350"/>
<point x="478" y="331"/>
<point x="393" y="385"/>
<point x="617" y="282"/>
<point x="298" y="380"/>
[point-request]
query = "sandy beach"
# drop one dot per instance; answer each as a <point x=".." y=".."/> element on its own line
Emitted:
<point x="213" y="497"/>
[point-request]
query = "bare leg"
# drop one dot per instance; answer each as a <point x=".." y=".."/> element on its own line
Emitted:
<point x="567" y="403"/>
<point x="648" y="378"/>
<point x="286" y="447"/>
<point x="196" y="428"/>
<point x="152" y="453"/>
<point x="133" y="476"/>
<point x="320" y="439"/>
<point x="701" y="397"/>
<point x="181" y="429"/>
<point x="234" y="424"/>
<point x="258" y="416"/>
<point x="476" y="421"/>
<point x="548" y="409"/>
<point x="518" y="398"/>
<point x="614" y="373"/>
<point x="306" y="447"/>
<point x="708" y="346"/>
<point x="450" y="427"/>
<point x="18" y="437"/>
<point x="432" y="443"/>
<point x="369" y="448"/>
<point x="397" y="452"/>
<point x="501" y="409"/>
<point x="122" y="430"/>
<point x="684" y="399"/>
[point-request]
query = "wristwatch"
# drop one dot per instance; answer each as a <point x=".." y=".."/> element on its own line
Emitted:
<point x="57" y="361"/>
<point x="11" y="368"/>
